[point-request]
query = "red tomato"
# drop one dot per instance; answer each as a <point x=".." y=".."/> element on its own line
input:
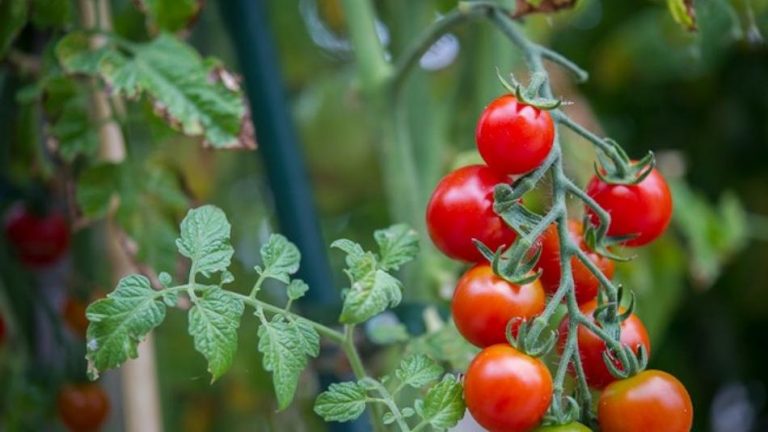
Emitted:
<point x="73" y="313"/>
<point x="506" y="390"/>
<point x="512" y="137"/>
<point x="483" y="304"/>
<point x="649" y="401"/>
<point x="644" y="209"/>
<point x="461" y="209"/>
<point x="39" y="240"/>
<point x="591" y="347"/>
<point x="585" y="282"/>
<point x="82" y="407"/>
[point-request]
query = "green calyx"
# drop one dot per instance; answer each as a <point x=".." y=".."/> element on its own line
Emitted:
<point x="530" y="95"/>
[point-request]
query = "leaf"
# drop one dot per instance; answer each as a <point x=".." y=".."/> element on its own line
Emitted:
<point x="74" y="133"/>
<point x="119" y="322"/>
<point x="683" y="13"/>
<point x="280" y="258"/>
<point x="205" y="239"/>
<point x="285" y="346"/>
<point x="170" y="15"/>
<point x="398" y="245"/>
<point x="95" y="188"/>
<point x="370" y="295"/>
<point x="342" y="402"/>
<point x="213" y="322"/>
<point x="352" y="249"/>
<point x="51" y="13"/>
<point x="296" y="289"/>
<point x="418" y="371"/>
<point x="13" y="16"/>
<point x="444" y="403"/>
<point x="186" y="92"/>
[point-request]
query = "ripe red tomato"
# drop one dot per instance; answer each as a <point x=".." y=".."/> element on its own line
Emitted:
<point x="644" y="209"/>
<point x="585" y="282"/>
<point x="73" y="313"/>
<point x="461" y="209"/>
<point x="483" y="304"/>
<point x="512" y="137"/>
<point x="591" y="347"/>
<point x="649" y="401"/>
<point x="82" y="407"/>
<point x="39" y="240"/>
<point x="570" y="427"/>
<point x="506" y="390"/>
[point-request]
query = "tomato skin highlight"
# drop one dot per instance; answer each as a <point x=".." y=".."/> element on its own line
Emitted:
<point x="585" y="283"/>
<point x="649" y="401"/>
<point x="512" y="137"/>
<point x="570" y="427"/>
<point x="483" y="304"/>
<point x="39" y="241"/>
<point x="506" y="390"/>
<point x="461" y="208"/>
<point x="82" y="407"/>
<point x="591" y="347"/>
<point x="644" y="208"/>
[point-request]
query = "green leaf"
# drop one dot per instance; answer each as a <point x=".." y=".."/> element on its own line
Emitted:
<point x="74" y="133"/>
<point x="398" y="245"/>
<point x="683" y="13"/>
<point x="186" y="92"/>
<point x="352" y="249"/>
<point x="120" y="321"/>
<point x="76" y="56"/>
<point x="342" y="402"/>
<point x="444" y="403"/>
<point x="213" y="322"/>
<point x="370" y="295"/>
<point x="13" y="16"/>
<point x="51" y="13"/>
<point x="205" y="239"/>
<point x="95" y="188"/>
<point x="297" y="288"/>
<point x="170" y="15"/>
<point x="280" y="258"/>
<point x="285" y="346"/>
<point x="418" y="371"/>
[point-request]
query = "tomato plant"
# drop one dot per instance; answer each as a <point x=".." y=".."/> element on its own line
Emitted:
<point x="514" y="137"/>
<point x="570" y="427"/>
<point x="585" y="282"/>
<point x="642" y="210"/>
<point x="650" y="400"/>
<point x="39" y="240"/>
<point x="483" y="304"/>
<point x="461" y="210"/>
<point x="82" y="407"/>
<point x="507" y="390"/>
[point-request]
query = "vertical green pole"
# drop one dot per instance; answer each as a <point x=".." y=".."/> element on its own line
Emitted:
<point x="278" y="142"/>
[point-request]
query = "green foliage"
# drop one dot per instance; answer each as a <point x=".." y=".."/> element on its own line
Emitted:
<point x="444" y="404"/>
<point x="280" y="259"/>
<point x="51" y="13"/>
<point x="170" y="15"/>
<point x="213" y="323"/>
<point x="418" y="371"/>
<point x="342" y="402"/>
<point x="196" y="97"/>
<point x="13" y="16"/>
<point x="373" y="289"/>
<point x="205" y="240"/>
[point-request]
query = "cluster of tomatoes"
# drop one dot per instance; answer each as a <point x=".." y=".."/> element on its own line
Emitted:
<point x="510" y="390"/>
<point x="40" y="240"/>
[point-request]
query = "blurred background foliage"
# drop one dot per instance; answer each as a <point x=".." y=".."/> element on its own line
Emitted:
<point x="699" y="100"/>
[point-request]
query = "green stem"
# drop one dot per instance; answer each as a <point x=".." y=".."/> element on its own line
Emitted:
<point x="373" y="68"/>
<point x="348" y="345"/>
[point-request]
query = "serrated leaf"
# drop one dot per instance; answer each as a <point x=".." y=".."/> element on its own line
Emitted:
<point x="296" y="289"/>
<point x="120" y="321"/>
<point x="213" y="322"/>
<point x="398" y="245"/>
<point x="285" y="346"/>
<point x="370" y="295"/>
<point x="186" y="92"/>
<point x="13" y="16"/>
<point x="352" y="249"/>
<point x="170" y="15"/>
<point x="342" y="402"/>
<point x="280" y="258"/>
<point x="444" y="404"/>
<point x="205" y="239"/>
<point x="418" y="371"/>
